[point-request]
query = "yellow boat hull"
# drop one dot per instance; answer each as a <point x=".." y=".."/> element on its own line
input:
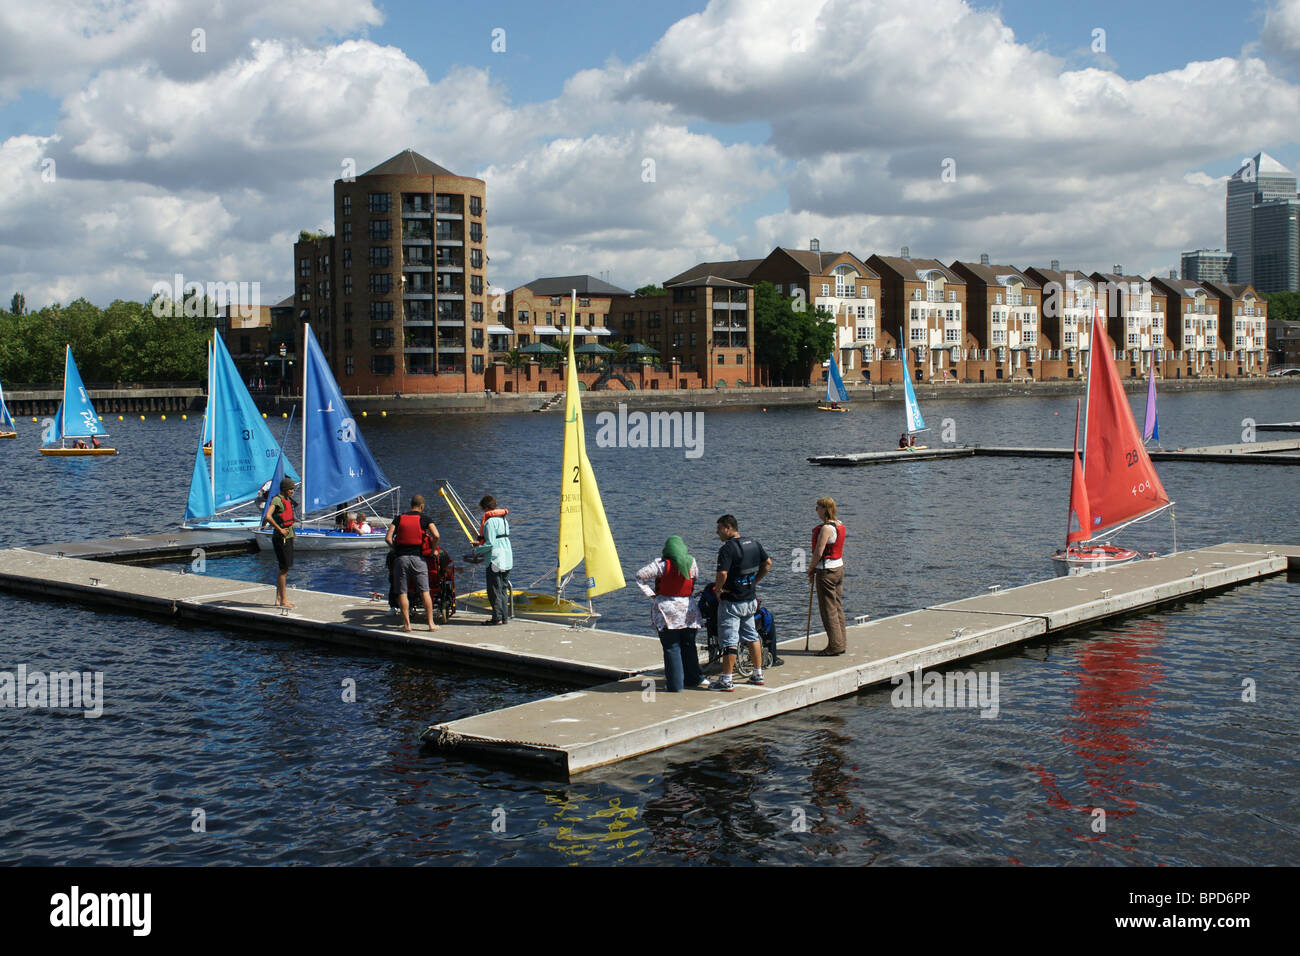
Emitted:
<point x="827" y="408"/>
<point x="531" y="606"/>
<point x="8" y="434"/>
<point x="77" y="452"/>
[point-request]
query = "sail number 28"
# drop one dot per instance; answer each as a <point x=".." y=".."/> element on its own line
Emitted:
<point x="1131" y="456"/>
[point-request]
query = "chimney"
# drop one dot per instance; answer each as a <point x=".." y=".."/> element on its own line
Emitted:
<point x="907" y="253"/>
<point x="1173" y="273"/>
<point x="1118" y="270"/>
<point x="1056" y="265"/>
<point x="984" y="258"/>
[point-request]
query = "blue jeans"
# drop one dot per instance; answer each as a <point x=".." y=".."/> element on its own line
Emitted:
<point x="681" y="658"/>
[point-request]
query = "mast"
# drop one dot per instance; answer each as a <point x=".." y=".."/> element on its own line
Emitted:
<point x="63" y="424"/>
<point x="302" y="475"/>
<point x="212" y="420"/>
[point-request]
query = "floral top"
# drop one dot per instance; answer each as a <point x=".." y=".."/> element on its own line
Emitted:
<point x="668" y="613"/>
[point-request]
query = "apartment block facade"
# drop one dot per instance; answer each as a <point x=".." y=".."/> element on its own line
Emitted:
<point x="1003" y="322"/>
<point x="1193" y="327"/>
<point x="923" y="307"/>
<point x="1243" y="329"/>
<point x="1068" y="299"/>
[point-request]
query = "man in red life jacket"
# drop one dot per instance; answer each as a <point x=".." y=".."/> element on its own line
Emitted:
<point x="406" y="536"/>
<point x="281" y="518"/>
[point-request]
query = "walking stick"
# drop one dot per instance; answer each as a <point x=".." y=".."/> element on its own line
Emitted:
<point x="807" y="631"/>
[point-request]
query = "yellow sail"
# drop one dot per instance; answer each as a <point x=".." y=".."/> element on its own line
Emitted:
<point x="584" y="530"/>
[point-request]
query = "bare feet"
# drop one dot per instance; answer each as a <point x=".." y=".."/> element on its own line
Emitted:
<point x="433" y="627"/>
<point x="284" y="604"/>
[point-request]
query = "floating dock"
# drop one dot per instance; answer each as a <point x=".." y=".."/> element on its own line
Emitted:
<point x="1279" y="427"/>
<point x="628" y="712"/>
<point x="1255" y="453"/>
<point x="575" y="732"/>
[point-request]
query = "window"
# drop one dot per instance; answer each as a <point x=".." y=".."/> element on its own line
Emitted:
<point x="381" y="283"/>
<point x="476" y="363"/>
<point x="381" y="364"/>
<point x="826" y="288"/>
<point x="949" y="335"/>
<point x="347" y="312"/>
<point x="952" y="295"/>
<point x="381" y="311"/>
<point x="380" y="202"/>
<point x="999" y="337"/>
<point x="692" y="340"/>
<point x="476" y="311"/>
<point x="381" y="338"/>
<point x="347" y="232"/>
<point x="475" y="232"/>
<point x="476" y="205"/>
<point x="476" y="339"/>
<point x="523" y="316"/>
<point x="476" y="258"/>
<point x="997" y="298"/>
<point x="347" y="338"/>
<point x="864" y="333"/>
<point x="347" y="284"/>
<point x="722" y="359"/>
<point x="381" y="229"/>
<point x="304" y="267"/>
<point x="740" y="360"/>
<point x="381" y="256"/>
<point x="916" y="295"/>
<point x="918" y="333"/>
<point x="347" y="365"/>
<point x="476" y="285"/>
<point x="347" y="205"/>
<point x="347" y="258"/>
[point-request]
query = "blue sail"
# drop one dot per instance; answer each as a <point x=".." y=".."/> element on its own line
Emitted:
<point x="6" y="420"/>
<point x="337" y="464"/>
<point x="78" y="419"/>
<point x="835" y="390"/>
<point x="200" y="504"/>
<point x="244" y="452"/>
<point x="915" y="423"/>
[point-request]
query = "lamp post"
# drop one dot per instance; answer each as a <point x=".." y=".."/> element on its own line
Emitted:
<point x="284" y="351"/>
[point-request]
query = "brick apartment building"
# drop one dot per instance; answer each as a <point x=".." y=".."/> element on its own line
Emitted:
<point x="923" y="308"/>
<point x="1067" y="301"/>
<point x="397" y="296"/>
<point x="1003" y="322"/>
<point x="1243" y="329"/>
<point x="1193" y="320"/>
<point x="1135" y="320"/>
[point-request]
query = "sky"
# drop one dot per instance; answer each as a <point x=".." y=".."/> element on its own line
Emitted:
<point x="144" y="138"/>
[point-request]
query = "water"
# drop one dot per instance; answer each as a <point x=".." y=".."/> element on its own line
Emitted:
<point x="1143" y="718"/>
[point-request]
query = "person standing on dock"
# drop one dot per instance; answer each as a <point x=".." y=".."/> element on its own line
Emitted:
<point x="742" y="563"/>
<point x="827" y="571"/>
<point x="670" y="581"/>
<point x="494" y="547"/>
<point x="406" y="536"/>
<point x="280" y="516"/>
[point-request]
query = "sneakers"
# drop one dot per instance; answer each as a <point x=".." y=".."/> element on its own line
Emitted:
<point x="722" y="683"/>
<point x="705" y="684"/>
<point x="757" y="680"/>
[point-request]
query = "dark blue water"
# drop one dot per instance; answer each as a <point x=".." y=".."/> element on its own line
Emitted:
<point x="1142" y="719"/>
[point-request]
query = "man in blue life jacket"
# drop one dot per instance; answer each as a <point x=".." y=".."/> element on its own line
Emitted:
<point x="742" y="563"/>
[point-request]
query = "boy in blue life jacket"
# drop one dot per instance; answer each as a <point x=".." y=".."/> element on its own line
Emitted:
<point x="763" y="621"/>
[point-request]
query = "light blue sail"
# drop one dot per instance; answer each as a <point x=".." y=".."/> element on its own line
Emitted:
<point x="915" y="423"/>
<point x="78" y="418"/>
<point x="6" y="420"/>
<point x="244" y="452"/>
<point x="835" y="390"/>
<point x="53" y="433"/>
<point x="337" y="464"/>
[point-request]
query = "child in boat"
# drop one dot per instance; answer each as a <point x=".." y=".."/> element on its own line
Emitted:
<point x="350" y="522"/>
<point x="363" y="526"/>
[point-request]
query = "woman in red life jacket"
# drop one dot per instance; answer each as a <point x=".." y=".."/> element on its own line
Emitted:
<point x="670" y="581"/>
<point x="827" y="570"/>
<point x="280" y="515"/>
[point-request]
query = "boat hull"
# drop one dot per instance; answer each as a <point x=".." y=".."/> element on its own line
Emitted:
<point x="532" y="606"/>
<point x="8" y="434"/>
<point x="77" y="452"/>
<point x="319" y="539"/>
<point x="1096" y="555"/>
<point x="251" y="523"/>
<point x="827" y="408"/>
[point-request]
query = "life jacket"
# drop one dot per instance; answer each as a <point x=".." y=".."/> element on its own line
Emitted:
<point x="672" y="584"/>
<point x="286" y="516"/>
<point x="835" y="549"/>
<point x="494" y="513"/>
<point x="409" y="534"/>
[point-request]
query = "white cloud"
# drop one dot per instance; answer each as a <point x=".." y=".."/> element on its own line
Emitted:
<point x="1281" y="34"/>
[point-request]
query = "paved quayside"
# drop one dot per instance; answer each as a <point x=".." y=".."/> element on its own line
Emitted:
<point x="575" y="732"/>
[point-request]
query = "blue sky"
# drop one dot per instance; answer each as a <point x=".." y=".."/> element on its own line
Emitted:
<point x="170" y="161"/>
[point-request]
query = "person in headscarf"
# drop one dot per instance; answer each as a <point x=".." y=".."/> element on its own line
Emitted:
<point x="670" y="581"/>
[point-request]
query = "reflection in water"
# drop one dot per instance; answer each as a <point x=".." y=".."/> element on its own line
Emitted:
<point x="1109" y="727"/>
<point x="583" y="827"/>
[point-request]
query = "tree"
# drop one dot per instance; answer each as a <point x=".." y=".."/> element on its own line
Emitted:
<point x="1284" y="306"/>
<point x="18" y="305"/>
<point x="650" y="290"/>
<point x="789" y="341"/>
<point x="307" y="235"/>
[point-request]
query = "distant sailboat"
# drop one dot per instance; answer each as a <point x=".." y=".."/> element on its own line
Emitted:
<point x="1117" y="484"/>
<point x="1151" y="422"/>
<point x="337" y="466"/>
<point x="6" y="420"/>
<point x="75" y="420"/>
<point x="915" y="423"/>
<point x="241" y="446"/>
<point x="835" y="390"/>
<point x="584" y="535"/>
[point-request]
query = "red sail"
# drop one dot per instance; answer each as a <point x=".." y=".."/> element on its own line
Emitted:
<point x="1122" y="483"/>
<point x="1080" y="521"/>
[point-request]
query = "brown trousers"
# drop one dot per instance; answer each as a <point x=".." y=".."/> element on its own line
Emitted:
<point x="830" y="604"/>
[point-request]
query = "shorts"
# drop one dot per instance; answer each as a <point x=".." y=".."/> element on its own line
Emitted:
<point x="736" y="622"/>
<point x="283" y="551"/>
<point x="410" y="569"/>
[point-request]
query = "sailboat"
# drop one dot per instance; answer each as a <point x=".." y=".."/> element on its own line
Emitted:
<point x="1151" y="421"/>
<point x="835" y="390"/>
<point x="6" y="420"/>
<point x="912" y="411"/>
<point x="242" y="449"/>
<point x="1116" y="484"/>
<point x="584" y="536"/>
<point x="337" y="465"/>
<point x="75" y="420"/>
